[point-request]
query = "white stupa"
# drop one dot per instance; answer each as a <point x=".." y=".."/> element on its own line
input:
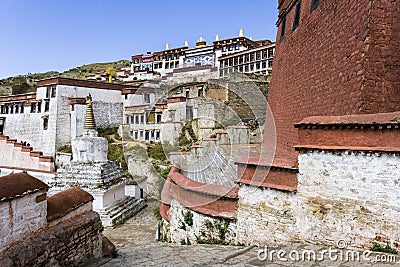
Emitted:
<point x="93" y="172"/>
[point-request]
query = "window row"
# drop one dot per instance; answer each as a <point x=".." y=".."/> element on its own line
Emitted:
<point x="51" y="91"/>
<point x="231" y="47"/>
<point x="146" y="135"/>
<point x="251" y="66"/>
<point x="144" y="118"/>
<point x="248" y="58"/>
<point x="296" y="19"/>
<point x="35" y="107"/>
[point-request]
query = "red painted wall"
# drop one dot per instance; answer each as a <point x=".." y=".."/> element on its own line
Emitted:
<point x="344" y="58"/>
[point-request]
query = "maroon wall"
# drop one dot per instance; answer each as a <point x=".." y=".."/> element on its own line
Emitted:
<point x="343" y="58"/>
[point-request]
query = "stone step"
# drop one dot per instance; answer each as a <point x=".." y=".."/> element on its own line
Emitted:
<point x="120" y="211"/>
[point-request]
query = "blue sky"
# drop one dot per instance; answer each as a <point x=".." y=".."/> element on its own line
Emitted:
<point x="43" y="35"/>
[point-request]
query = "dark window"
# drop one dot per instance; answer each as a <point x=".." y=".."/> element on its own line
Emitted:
<point x="158" y="118"/>
<point x="296" y="20"/>
<point x="147" y="98"/>
<point x="314" y="5"/>
<point x="187" y="93"/>
<point x="283" y="28"/>
<point x="45" y="123"/>
<point x="53" y="91"/>
<point x="46" y="106"/>
<point x="22" y="107"/>
<point x="39" y="107"/>
<point x="189" y="113"/>
<point x="48" y="90"/>
<point x="1" y="125"/>
<point x="237" y="45"/>
<point x="200" y="92"/>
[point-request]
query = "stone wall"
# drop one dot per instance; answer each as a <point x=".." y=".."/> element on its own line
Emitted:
<point x="71" y="242"/>
<point x="22" y="217"/>
<point x="349" y="195"/>
<point x="107" y="108"/>
<point x="340" y="195"/>
<point x="28" y="127"/>
<point x="265" y="215"/>
<point x="189" y="227"/>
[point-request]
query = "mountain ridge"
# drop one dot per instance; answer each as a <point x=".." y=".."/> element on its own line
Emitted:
<point x="26" y="83"/>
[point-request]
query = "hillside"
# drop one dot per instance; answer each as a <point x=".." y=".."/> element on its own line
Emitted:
<point x="26" y="83"/>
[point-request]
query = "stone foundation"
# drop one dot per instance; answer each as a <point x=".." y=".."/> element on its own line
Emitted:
<point x="349" y="195"/>
<point x="186" y="226"/>
<point x="69" y="243"/>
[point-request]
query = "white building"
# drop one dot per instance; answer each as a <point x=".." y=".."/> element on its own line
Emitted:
<point x="52" y="116"/>
<point x="166" y="62"/>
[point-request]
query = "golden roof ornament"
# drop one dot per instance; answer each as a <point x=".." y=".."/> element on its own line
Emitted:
<point x="90" y="124"/>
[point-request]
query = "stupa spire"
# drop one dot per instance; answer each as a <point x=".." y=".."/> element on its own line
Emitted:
<point x="90" y="124"/>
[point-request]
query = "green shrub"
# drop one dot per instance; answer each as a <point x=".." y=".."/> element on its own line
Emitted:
<point x="156" y="212"/>
<point x="156" y="152"/>
<point x="103" y="132"/>
<point x="65" y="149"/>
<point x="386" y="249"/>
<point x="163" y="171"/>
<point x="116" y="153"/>
<point x="188" y="218"/>
<point x="159" y="151"/>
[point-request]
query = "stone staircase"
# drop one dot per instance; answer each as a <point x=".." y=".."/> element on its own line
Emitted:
<point x="121" y="211"/>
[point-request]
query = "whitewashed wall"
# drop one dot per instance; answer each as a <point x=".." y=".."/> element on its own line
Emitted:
<point x="353" y="196"/>
<point x="265" y="215"/>
<point x="63" y="125"/>
<point x="21" y="217"/>
<point x="28" y="127"/>
<point x="175" y="233"/>
<point x="107" y="108"/>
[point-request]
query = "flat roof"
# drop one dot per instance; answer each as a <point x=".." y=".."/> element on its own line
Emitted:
<point x="81" y="83"/>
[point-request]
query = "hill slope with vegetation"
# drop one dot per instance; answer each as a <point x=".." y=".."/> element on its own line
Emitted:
<point x="26" y="83"/>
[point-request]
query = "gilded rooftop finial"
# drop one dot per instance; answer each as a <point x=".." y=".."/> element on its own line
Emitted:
<point x="90" y="124"/>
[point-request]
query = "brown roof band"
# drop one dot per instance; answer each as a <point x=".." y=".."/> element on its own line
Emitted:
<point x="81" y="83"/>
<point x="64" y="202"/>
<point x="361" y="119"/>
<point x="18" y="184"/>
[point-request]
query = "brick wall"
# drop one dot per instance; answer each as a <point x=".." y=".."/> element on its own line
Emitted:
<point x="342" y="59"/>
<point x="68" y="243"/>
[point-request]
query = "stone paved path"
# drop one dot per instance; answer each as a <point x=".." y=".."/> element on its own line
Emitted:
<point x="136" y="247"/>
